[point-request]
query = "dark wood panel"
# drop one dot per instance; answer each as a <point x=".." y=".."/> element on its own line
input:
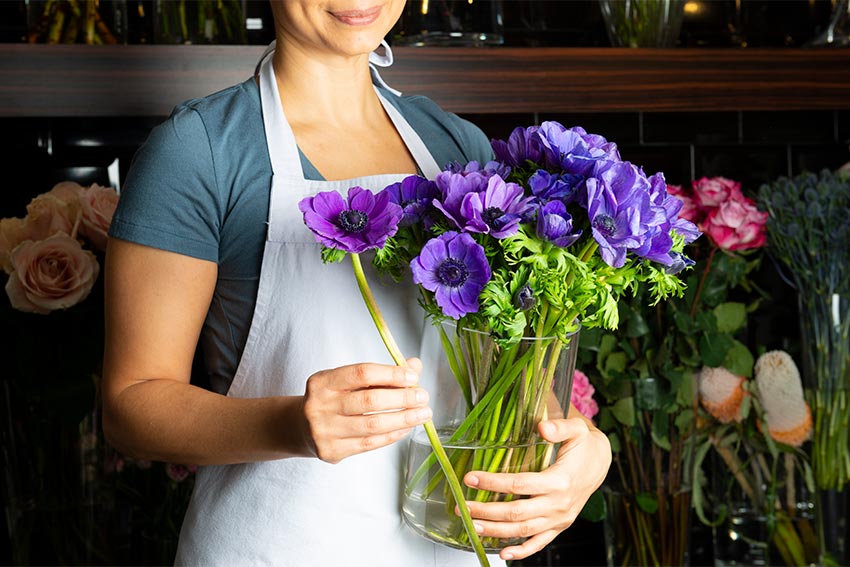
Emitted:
<point x="139" y="80"/>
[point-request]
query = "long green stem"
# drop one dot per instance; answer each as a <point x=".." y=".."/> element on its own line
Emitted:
<point x="430" y="430"/>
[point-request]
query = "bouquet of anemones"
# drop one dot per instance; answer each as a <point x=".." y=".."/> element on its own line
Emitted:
<point x="512" y="257"/>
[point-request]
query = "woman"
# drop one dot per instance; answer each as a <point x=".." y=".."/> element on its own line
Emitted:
<point x="208" y="250"/>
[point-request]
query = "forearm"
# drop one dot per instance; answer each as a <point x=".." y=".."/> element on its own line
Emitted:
<point x="171" y="421"/>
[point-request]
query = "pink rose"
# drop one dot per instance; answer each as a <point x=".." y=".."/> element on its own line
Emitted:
<point x="690" y="211"/>
<point x="736" y="225"/>
<point x="47" y="215"/>
<point x="49" y="274"/>
<point x="710" y="193"/>
<point x="13" y="231"/>
<point x="97" y="205"/>
<point x="582" y="395"/>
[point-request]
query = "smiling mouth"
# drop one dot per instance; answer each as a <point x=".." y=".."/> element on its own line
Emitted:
<point x="358" y="17"/>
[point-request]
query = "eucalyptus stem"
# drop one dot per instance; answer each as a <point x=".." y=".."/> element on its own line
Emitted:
<point x="430" y="430"/>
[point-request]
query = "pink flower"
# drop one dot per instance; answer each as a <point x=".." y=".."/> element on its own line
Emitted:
<point x="179" y="473"/>
<point x="710" y="193"/>
<point x="582" y="395"/>
<point x="97" y="205"/>
<point x="68" y="191"/>
<point x="690" y="211"/>
<point x="49" y="274"/>
<point x="736" y="225"/>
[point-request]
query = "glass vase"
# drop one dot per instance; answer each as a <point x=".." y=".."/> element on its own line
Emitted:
<point x="643" y="23"/>
<point x="450" y="23"/>
<point x="837" y="33"/>
<point x="825" y="342"/>
<point x="768" y="513"/>
<point x="200" y="22"/>
<point x="648" y="490"/>
<point x="504" y="391"/>
<point x="92" y="22"/>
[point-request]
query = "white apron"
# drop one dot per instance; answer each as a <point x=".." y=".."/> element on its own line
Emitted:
<point x="310" y="316"/>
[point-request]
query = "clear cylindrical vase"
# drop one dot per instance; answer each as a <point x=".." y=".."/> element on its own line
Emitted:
<point x="825" y="341"/>
<point x="450" y="23"/>
<point x="504" y="390"/>
<point x="643" y="23"/>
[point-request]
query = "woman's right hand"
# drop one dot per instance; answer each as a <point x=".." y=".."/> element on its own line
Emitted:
<point x="361" y="407"/>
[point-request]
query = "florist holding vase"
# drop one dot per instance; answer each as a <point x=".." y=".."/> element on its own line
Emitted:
<point x="297" y="432"/>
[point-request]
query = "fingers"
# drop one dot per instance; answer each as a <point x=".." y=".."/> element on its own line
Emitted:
<point x="359" y="376"/>
<point x="521" y="484"/>
<point x="530" y="546"/>
<point x="362" y="407"/>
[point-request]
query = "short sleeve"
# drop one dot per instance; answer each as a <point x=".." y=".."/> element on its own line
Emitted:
<point x="170" y="198"/>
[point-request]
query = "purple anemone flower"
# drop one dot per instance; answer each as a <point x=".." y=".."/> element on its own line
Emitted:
<point x="555" y="224"/>
<point x="547" y="186"/>
<point x="522" y="146"/>
<point x="359" y="223"/>
<point x="576" y="151"/>
<point x="497" y="209"/>
<point x="620" y="211"/>
<point x="414" y="194"/>
<point x="454" y="267"/>
<point x="488" y="170"/>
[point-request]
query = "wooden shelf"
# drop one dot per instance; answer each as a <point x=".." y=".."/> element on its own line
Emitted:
<point x="148" y="80"/>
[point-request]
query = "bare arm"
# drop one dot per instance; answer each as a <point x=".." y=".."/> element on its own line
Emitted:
<point x="156" y="303"/>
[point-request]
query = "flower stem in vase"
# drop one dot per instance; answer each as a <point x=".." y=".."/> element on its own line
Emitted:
<point x="430" y="430"/>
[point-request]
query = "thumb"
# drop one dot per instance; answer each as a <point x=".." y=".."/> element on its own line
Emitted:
<point x="560" y="430"/>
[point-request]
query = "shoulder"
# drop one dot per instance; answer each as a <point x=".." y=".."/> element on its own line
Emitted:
<point x="228" y="111"/>
<point x="448" y="136"/>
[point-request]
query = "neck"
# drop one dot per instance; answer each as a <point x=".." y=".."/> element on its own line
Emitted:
<point x="337" y="89"/>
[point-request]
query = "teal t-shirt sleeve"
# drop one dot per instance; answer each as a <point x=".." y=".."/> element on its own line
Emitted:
<point x="170" y="199"/>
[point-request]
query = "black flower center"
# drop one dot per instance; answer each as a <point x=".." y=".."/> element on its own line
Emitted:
<point x="604" y="224"/>
<point x="491" y="215"/>
<point x="353" y="221"/>
<point x="452" y="273"/>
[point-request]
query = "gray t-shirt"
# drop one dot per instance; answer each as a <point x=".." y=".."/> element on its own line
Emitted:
<point x="200" y="185"/>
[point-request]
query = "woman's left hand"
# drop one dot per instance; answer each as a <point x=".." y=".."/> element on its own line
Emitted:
<point x="555" y="497"/>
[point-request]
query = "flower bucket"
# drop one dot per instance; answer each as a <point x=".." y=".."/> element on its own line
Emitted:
<point x="505" y="391"/>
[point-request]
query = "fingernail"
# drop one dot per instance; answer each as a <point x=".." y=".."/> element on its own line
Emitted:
<point x="424" y="414"/>
<point x="548" y="428"/>
<point x="471" y="480"/>
<point x="507" y="556"/>
<point x="421" y="396"/>
<point x="478" y="527"/>
<point x="411" y="377"/>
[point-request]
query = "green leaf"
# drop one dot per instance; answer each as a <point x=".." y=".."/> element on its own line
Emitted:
<point x="731" y="316"/>
<point x="647" y="502"/>
<point x="684" y="421"/>
<point x="615" y="364"/>
<point x="605" y="419"/>
<point x="624" y="411"/>
<point x="661" y="430"/>
<point x="594" y="509"/>
<point x="648" y="393"/>
<point x="713" y="348"/>
<point x="739" y="360"/>
<point x="636" y="326"/>
<point x="614" y="439"/>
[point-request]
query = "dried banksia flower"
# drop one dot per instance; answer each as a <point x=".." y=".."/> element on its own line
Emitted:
<point x="788" y="417"/>
<point x="721" y="393"/>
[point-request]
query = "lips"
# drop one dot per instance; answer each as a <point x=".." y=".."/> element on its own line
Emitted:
<point x="358" y="17"/>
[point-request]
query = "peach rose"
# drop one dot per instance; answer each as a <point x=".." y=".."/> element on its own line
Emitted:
<point x="13" y="231"/>
<point x="54" y="273"/>
<point x="68" y="191"/>
<point x="97" y="205"/>
<point x="48" y="214"/>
